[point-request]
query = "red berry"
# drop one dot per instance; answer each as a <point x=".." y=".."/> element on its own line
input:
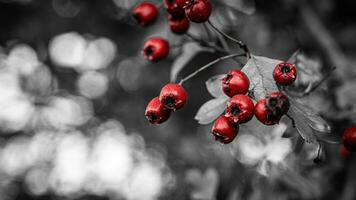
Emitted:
<point x="173" y="96"/>
<point x="182" y="3"/>
<point x="173" y="8"/>
<point x="198" y="10"/>
<point x="156" y="49"/>
<point x="235" y="82"/>
<point x="278" y="103"/>
<point x="145" y="13"/>
<point x="344" y="152"/>
<point x="178" y="25"/>
<point x="240" y="109"/>
<point x="285" y="73"/>
<point x="349" y="139"/>
<point x="224" y="131"/>
<point x="264" y="114"/>
<point x="155" y="112"/>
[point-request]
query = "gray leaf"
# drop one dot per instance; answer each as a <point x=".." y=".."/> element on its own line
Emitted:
<point x="245" y="6"/>
<point x="213" y="85"/>
<point x="303" y="128"/>
<point x="211" y="110"/>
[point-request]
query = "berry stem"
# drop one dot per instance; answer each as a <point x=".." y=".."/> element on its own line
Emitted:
<point x="207" y="66"/>
<point x="242" y="45"/>
<point x="292" y="119"/>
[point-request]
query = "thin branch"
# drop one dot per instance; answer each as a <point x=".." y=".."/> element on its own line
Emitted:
<point x="207" y="66"/>
<point x="242" y="45"/>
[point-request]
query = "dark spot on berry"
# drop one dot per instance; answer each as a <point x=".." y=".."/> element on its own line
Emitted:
<point x="149" y="50"/>
<point x="170" y="102"/>
<point x="272" y="102"/>
<point x="152" y="118"/>
<point x="227" y="89"/>
<point x="137" y="18"/>
<point x="235" y="110"/>
<point x="285" y="69"/>
<point x="219" y="137"/>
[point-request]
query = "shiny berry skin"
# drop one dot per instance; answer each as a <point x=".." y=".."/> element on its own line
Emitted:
<point x="278" y="103"/>
<point x="178" y="25"/>
<point x="198" y="11"/>
<point x="240" y="109"/>
<point x="224" y="131"/>
<point x="264" y="114"/>
<point x="285" y="73"/>
<point x="173" y="8"/>
<point x="156" y="49"/>
<point x="344" y="153"/>
<point x="173" y="96"/>
<point x="145" y="13"/>
<point x="235" y="82"/>
<point x="182" y="3"/>
<point x="349" y="139"/>
<point x="156" y="113"/>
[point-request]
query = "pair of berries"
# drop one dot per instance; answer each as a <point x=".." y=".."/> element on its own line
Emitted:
<point x="240" y="108"/>
<point x="172" y="97"/>
<point x="285" y="73"/>
<point x="177" y="20"/>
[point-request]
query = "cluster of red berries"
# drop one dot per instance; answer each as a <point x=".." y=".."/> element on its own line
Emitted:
<point x="180" y="13"/>
<point x="241" y="108"/>
<point x="172" y="97"/>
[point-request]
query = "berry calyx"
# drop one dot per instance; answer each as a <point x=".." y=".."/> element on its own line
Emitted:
<point x="156" y="113"/>
<point x="349" y="139"/>
<point x="264" y="114"/>
<point x="285" y="73"/>
<point x="235" y="82"/>
<point x="173" y="96"/>
<point x="178" y="25"/>
<point x="240" y="109"/>
<point x="224" y="131"/>
<point x="198" y="11"/>
<point x="145" y="13"/>
<point x="173" y="8"/>
<point x="156" y="49"/>
<point x="278" y="103"/>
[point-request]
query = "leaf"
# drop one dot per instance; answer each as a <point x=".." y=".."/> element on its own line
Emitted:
<point x="211" y="110"/>
<point x="214" y="87"/>
<point x="303" y="128"/>
<point x="260" y="72"/>
<point x="190" y="50"/>
<point x="247" y="7"/>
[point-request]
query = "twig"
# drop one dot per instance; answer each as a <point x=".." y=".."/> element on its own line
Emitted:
<point x="292" y="119"/>
<point x="207" y="66"/>
<point x="242" y="45"/>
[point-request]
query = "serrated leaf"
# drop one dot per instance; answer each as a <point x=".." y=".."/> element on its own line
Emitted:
<point x="247" y="7"/>
<point x="303" y="128"/>
<point x="189" y="51"/>
<point x="260" y="72"/>
<point x="211" y="110"/>
<point x="214" y="87"/>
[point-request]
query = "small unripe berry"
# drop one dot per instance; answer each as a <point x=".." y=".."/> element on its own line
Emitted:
<point x="285" y="73"/>
<point x="278" y="103"/>
<point x="173" y="96"/>
<point x="178" y="25"/>
<point x="240" y="109"/>
<point x="173" y="8"/>
<point x="224" y="131"/>
<point x="349" y="139"/>
<point x="235" y="82"/>
<point x="264" y="114"/>
<point x="156" y="49"/>
<point x="198" y="10"/>
<point x="145" y="13"/>
<point x="155" y="112"/>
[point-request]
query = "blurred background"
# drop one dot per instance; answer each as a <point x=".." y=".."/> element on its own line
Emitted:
<point x="74" y="86"/>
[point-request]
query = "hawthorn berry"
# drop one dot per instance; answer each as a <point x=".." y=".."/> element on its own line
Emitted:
<point x="264" y="114"/>
<point x="155" y="112"/>
<point x="224" y="131"/>
<point x="349" y="139"/>
<point x="173" y="8"/>
<point x="156" y="49"/>
<point x="235" y="82"/>
<point x="178" y="25"/>
<point x="182" y="3"/>
<point x="278" y="103"/>
<point x="173" y="96"/>
<point x="145" y="13"/>
<point x="240" y="109"/>
<point x="198" y="10"/>
<point x="285" y="73"/>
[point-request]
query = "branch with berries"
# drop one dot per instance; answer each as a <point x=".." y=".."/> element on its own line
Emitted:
<point x="268" y="82"/>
